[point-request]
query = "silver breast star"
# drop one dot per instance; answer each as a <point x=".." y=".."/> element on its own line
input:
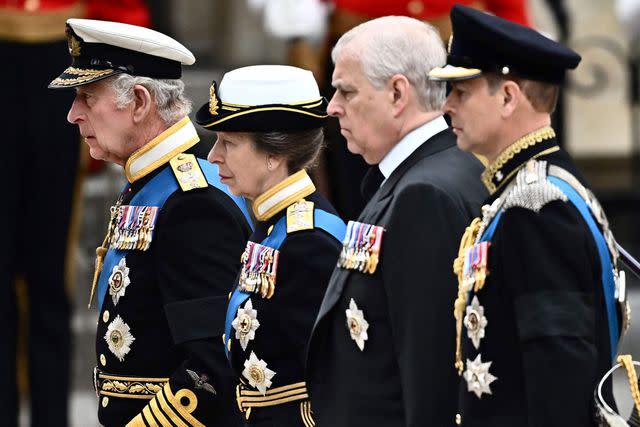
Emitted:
<point x="478" y="377"/>
<point x="475" y="322"/>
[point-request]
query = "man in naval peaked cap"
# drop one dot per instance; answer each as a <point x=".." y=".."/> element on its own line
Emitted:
<point x="541" y="302"/>
<point x="173" y="242"/>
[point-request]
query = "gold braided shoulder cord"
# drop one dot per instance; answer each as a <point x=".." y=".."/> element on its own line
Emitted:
<point x="468" y="240"/>
<point x="523" y="143"/>
<point x="627" y="361"/>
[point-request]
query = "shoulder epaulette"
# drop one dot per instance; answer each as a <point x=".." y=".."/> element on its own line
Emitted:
<point x="300" y="216"/>
<point x="187" y="171"/>
<point x="532" y="189"/>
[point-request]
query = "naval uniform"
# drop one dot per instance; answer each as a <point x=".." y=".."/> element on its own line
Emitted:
<point x="377" y="354"/>
<point x="267" y="329"/>
<point x="536" y="335"/>
<point x="174" y="239"/>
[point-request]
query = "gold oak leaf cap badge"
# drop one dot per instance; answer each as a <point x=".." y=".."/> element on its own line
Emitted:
<point x="213" y="100"/>
<point x="74" y="46"/>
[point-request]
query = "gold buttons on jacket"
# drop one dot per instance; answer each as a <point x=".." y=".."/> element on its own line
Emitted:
<point x="458" y="419"/>
<point x="415" y="7"/>
<point x="105" y="316"/>
<point x="105" y="401"/>
<point x="103" y="360"/>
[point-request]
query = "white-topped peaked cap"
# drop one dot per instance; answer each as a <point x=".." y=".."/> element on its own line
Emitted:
<point x="263" y="98"/>
<point x="268" y="84"/>
<point x="100" y="49"/>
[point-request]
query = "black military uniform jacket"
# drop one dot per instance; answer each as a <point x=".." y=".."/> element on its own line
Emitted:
<point x="159" y="327"/>
<point x="269" y="334"/>
<point x="534" y="337"/>
<point x="402" y="376"/>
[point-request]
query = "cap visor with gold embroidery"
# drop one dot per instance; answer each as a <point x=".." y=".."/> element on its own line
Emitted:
<point x="74" y="76"/>
<point x="264" y="98"/>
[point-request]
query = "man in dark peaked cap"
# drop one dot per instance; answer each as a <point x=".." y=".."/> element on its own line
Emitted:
<point x="541" y="303"/>
<point x="172" y="248"/>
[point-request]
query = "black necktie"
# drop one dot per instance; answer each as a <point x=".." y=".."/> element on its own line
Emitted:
<point x="371" y="182"/>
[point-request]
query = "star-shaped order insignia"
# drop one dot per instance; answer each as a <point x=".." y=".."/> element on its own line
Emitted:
<point x="475" y="322"/>
<point x="478" y="377"/>
<point x="256" y="371"/>
<point x="201" y="382"/>
<point x="119" y="338"/>
<point x="118" y="281"/>
<point x="357" y="324"/>
<point x="246" y="323"/>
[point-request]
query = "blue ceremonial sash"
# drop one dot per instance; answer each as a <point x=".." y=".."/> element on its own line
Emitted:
<point x="155" y="193"/>
<point x="323" y="220"/>
<point x="608" y="281"/>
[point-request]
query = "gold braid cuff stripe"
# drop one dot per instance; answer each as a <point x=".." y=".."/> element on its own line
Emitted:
<point x="247" y="399"/>
<point x="521" y="144"/>
<point x="128" y="387"/>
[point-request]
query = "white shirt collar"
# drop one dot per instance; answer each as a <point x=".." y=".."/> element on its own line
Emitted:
<point x="409" y="144"/>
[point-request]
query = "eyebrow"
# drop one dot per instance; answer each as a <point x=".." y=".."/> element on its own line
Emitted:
<point x="339" y="84"/>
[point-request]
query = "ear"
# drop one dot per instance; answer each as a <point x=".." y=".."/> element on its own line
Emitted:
<point x="511" y="98"/>
<point x="142" y="103"/>
<point x="274" y="162"/>
<point x="399" y="93"/>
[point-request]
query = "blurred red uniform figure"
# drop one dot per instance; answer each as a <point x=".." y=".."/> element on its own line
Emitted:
<point x="41" y="186"/>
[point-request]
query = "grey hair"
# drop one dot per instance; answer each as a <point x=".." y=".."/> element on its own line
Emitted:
<point x="168" y="94"/>
<point x="398" y="45"/>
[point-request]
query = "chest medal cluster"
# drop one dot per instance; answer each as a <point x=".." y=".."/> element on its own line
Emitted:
<point x="361" y="247"/>
<point x="133" y="226"/>
<point x="471" y="267"/>
<point x="259" y="266"/>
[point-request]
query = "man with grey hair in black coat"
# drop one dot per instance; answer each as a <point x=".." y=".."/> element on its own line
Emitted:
<point x="381" y="350"/>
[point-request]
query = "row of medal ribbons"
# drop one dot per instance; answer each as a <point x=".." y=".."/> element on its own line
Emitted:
<point x="361" y="247"/>
<point x="259" y="265"/>
<point x="133" y="227"/>
<point x="475" y="266"/>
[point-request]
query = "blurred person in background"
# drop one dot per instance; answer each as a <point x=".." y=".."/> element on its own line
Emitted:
<point x="163" y="270"/>
<point x="269" y="121"/>
<point x="39" y="217"/>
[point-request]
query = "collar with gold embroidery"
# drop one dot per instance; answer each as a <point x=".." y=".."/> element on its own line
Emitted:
<point x="530" y="146"/>
<point x="283" y="194"/>
<point x="177" y="139"/>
